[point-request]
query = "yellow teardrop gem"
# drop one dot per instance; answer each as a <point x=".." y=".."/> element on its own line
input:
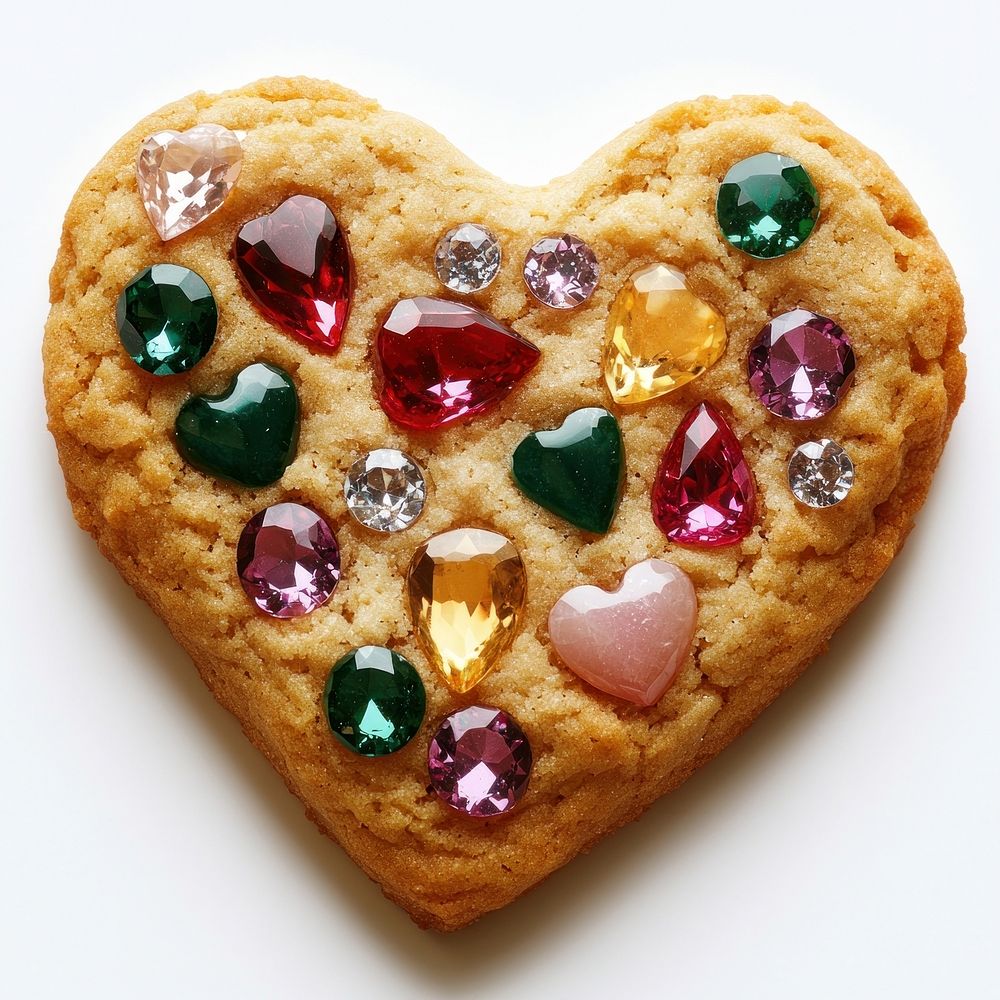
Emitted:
<point x="660" y="336"/>
<point x="466" y="590"/>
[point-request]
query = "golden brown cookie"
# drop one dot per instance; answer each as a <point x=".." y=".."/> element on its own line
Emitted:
<point x="767" y="605"/>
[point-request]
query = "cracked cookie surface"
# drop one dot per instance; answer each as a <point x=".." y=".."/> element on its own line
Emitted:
<point x="767" y="605"/>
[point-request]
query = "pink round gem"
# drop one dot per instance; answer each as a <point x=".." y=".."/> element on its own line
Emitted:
<point x="561" y="271"/>
<point x="800" y="365"/>
<point x="480" y="761"/>
<point x="288" y="560"/>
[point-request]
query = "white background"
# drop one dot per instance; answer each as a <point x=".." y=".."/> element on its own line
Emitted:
<point x="847" y="846"/>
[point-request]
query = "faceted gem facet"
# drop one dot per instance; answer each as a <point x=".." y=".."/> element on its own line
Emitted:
<point x="820" y="473"/>
<point x="561" y="271"/>
<point x="576" y="471"/>
<point x="288" y="560"/>
<point x="166" y="317"/>
<point x="800" y="365"/>
<point x="374" y="701"/>
<point x="629" y="642"/>
<point x="385" y="490"/>
<point x="466" y="590"/>
<point x="660" y="336"/>
<point x="441" y="362"/>
<point x="186" y="176"/>
<point x="248" y="433"/>
<point x="480" y="761"/>
<point x="296" y="266"/>
<point x="767" y="205"/>
<point x="704" y="492"/>
<point x="467" y="258"/>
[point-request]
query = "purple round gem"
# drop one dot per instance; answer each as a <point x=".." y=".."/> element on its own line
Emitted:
<point x="800" y="365"/>
<point x="288" y="560"/>
<point x="480" y="761"/>
<point x="561" y="271"/>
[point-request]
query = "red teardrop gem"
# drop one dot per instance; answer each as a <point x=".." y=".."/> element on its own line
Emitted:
<point x="704" y="492"/>
<point x="296" y="266"/>
<point x="441" y="362"/>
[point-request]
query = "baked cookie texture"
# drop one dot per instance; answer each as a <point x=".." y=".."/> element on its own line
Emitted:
<point x="767" y="605"/>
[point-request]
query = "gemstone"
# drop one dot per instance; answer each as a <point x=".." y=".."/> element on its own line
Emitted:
<point x="561" y="271"/>
<point x="480" y="761"/>
<point x="767" y="205"/>
<point x="374" y="701"/>
<point x="576" y="471"/>
<point x="248" y="433"/>
<point x="467" y="258"/>
<point x="466" y="590"/>
<point x="820" y="473"/>
<point x="166" y="317"/>
<point x="660" y="336"/>
<point x="629" y="642"/>
<point x="441" y="362"/>
<point x="296" y="266"/>
<point x="704" y="491"/>
<point x="800" y="365"/>
<point x="186" y="176"/>
<point x="288" y="560"/>
<point x="385" y="490"/>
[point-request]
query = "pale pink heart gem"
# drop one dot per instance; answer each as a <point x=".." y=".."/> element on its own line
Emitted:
<point x="185" y="176"/>
<point x="629" y="642"/>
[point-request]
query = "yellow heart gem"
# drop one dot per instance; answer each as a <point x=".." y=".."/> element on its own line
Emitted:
<point x="660" y="336"/>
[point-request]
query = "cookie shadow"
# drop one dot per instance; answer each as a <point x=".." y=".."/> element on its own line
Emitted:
<point x="453" y="965"/>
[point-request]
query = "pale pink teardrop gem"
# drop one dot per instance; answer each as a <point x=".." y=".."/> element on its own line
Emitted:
<point x="629" y="642"/>
<point x="185" y="176"/>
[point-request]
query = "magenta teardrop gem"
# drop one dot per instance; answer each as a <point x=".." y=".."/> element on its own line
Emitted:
<point x="704" y="491"/>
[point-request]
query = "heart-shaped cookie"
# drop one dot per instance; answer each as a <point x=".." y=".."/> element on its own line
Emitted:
<point x="495" y="789"/>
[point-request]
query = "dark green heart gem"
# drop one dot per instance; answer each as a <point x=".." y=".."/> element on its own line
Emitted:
<point x="248" y="433"/>
<point x="576" y="471"/>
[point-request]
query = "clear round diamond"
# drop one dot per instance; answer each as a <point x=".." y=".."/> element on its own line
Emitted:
<point x="385" y="490"/>
<point x="820" y="473"/>
<point x="561" y="271"/>
<point x="467" y="258"/>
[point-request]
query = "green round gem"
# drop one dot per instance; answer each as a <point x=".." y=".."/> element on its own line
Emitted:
<point x="166" y="318"/>
<point x="374" y="701"/>
<point x="767" y="205"/>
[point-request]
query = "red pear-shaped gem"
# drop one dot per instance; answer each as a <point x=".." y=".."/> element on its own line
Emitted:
<point x="704" y="491"/>
<point x="442" y="362"/>
<point x="296" y="266"/>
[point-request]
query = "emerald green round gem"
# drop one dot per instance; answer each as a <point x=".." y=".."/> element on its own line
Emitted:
<point x="767" y="205"/>
<point x="166" y="318"/>
<point x="374" y="701"/>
